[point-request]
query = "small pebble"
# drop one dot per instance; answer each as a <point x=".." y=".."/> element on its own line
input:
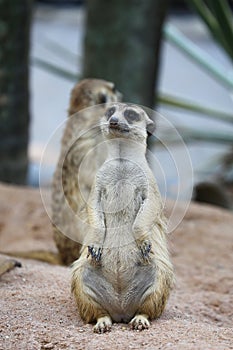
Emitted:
<point x="48" y="346"/>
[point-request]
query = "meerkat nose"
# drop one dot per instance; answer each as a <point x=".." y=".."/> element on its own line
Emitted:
<point x="114" y="121"/>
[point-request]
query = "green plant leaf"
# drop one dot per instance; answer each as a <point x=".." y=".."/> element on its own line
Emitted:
<point x="190" y="135"/>
<point x="217" y="16"/>
<point x="52" y="68"/>
<point x="60" y="50"/>
<point x="180" y="103"/>
<point x="199" y="56"/>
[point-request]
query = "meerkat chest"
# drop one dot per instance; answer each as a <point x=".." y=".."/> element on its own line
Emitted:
<point x="123" y="187"/>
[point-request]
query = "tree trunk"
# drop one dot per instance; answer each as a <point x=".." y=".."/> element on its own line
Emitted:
<point x="14" y="96"/>
<point x="122" y="45"/>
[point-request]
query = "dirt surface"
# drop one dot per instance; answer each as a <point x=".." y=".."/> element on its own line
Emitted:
<point x="38" y="311"/>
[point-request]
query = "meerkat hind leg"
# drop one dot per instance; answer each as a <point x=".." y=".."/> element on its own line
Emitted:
<point x="140" y="322"/>
<point x="103" y="324"/>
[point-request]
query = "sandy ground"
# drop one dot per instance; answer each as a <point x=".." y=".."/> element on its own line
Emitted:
<point x="38" y="311"/>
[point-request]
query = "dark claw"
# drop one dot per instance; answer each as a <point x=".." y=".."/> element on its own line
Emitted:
<point x="95" y="253"/>
<point x="145" y="249"/>
<point x="99" y="253"/>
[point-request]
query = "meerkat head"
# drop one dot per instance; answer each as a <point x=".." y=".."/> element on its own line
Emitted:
<point x="126" y="121"/>
<point x="91" y="92"/>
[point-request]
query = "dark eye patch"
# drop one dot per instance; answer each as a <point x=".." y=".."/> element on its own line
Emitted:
<point x="110" y="112"/>
<point x="102" y="98"/>
<point x="131" y="115"/>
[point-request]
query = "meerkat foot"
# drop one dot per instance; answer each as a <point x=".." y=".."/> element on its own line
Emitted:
<point x="145" y="248"/>
<point x="95" y="253"/>
<point x="103" y="325"/>
<point x="139" y="322"/>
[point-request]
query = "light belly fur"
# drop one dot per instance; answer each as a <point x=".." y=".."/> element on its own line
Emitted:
<point x="121" y="281"/>
<point x="119" y="298"/>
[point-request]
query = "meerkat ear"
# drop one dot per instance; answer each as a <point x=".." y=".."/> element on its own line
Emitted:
<point x="150" y="127"/>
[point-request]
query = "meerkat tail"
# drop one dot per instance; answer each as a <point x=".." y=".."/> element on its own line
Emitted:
<point x="49" y="257"/>
<point x="7" y="265"/>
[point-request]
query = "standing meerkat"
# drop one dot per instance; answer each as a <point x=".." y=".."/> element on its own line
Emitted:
<point x="71" y="187"/>
<point x="124" y="273"/>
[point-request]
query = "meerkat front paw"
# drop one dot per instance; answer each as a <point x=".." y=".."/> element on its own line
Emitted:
<point x="145" y="248"/>
<point x="139" y="323"/>
<point x="103" y="325"/>
<point x="95" y="252"/>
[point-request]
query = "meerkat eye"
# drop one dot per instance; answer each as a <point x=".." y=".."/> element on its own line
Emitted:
<point x="110" y="112"/>
<point x="131" y="115"/>
<point x="102" y="98"/>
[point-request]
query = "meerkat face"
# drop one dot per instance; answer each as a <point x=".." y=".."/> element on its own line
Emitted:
<point x="106" y="93"/>
<point x="127" y="121"/>
<point x="91" y="92"/>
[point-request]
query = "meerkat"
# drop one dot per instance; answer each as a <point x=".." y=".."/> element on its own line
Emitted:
<point x="124" y="273"/>
<point x="71" y="187"/>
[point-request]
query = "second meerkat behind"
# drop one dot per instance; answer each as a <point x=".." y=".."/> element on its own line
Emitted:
<point x="72" y="183"/>
<point x="124" y="273"/>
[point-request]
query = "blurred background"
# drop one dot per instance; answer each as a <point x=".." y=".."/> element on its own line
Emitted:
<point x="172" y="56"/>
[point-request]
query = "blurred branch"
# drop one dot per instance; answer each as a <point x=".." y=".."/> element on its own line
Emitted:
<point x="51" y="68"/>
<point x="180" y="103"/>
<point x="60" y="50"/>
<point x="199" y="56"/>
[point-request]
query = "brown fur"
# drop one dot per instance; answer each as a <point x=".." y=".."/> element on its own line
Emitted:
<point x="132" y="278"/>
<point x="67" y="198"/>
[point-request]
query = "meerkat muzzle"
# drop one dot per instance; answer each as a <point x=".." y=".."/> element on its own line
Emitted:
<point x="115" y="124"/>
